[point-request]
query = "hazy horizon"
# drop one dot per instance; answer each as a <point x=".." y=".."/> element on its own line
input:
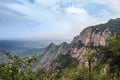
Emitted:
<point x="28" y="44"/>
<point x="52" y="19"/>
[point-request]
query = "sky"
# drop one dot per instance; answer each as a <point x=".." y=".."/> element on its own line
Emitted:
<point x="52" y="19"/>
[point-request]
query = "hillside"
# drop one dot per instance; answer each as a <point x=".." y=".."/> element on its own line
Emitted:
<point x="90" y="40"/>
<point x="93" y="36"/>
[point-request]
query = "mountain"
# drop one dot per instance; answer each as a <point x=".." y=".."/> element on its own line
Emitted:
<point x="22" y="48"/>
<point x="90" y="40"/>
<point x="25" y="48"/>
<point x="51" y="53"/>
<point x="94" y="37"/>
<point x="98" y="34"/>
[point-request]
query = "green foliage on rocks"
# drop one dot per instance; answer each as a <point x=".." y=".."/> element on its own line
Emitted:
<point x="111" y="55"/>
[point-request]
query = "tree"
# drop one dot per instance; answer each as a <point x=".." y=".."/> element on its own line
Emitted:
<point x="111" y="55"/>
<point x="17" y="68"/>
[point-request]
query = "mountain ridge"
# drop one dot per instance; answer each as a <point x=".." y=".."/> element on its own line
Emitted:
<point x="89" y="40"/>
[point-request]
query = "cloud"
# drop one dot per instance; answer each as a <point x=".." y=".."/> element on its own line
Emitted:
<point x="72" y="10"/>
<point x="10" y="17"/>
<point x="54" y="19"/>
<point x="6" y="15"/>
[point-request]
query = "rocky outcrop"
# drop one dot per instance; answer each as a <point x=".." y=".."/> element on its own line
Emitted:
<point x="94" y="37"/>
<point x="51" y="53"/>
<point x="88" y="41"/>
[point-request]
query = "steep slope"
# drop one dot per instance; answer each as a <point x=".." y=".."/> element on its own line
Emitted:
<point x="94" y="37"/>
<point x="91" y="39"/>
<point x="98" y="34"/>
<point x="88" y="41"/>
<point x="51" y="53"/>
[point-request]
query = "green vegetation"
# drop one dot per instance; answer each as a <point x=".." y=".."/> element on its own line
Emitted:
<point x="17" y="68"/>
<point x="58" y="66"/>
<point x="111" y="56"/>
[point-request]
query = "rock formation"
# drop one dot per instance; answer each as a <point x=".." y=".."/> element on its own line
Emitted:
<point x="51" y="53"/>
<point x="88" y="41"/>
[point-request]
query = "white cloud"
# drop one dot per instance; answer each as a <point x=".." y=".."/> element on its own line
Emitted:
<point x="51" y="23"/>
<point x="60" y="18"/>
<point x="73" y="10"/>
<point x="79" y="19"/>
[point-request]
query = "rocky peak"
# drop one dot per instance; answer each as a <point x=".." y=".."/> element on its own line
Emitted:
<point x="93" y="37"/>
<point x="51" y="53"/>
<point x="63" y="44"/>
<point x="114" y="20"/>
<point x="99" y="33"/>
<point x="51" y="46"/>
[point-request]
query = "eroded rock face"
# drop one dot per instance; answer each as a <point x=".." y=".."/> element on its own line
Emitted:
<point x="88" y="41"/>
<point x="88" y="36"/>
<point x="93" y="37"/>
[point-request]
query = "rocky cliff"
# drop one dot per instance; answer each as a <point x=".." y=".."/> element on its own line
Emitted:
<point x="99" y="33"/>
<point x="91" y="39"/>
<point x="88" y="41"/>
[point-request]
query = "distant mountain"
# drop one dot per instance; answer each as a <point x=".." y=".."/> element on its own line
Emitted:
<point x="21" y="48"/>
<point x="25" y="48"/>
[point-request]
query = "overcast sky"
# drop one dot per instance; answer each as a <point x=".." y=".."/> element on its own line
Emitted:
<point x="52" y="19"/>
